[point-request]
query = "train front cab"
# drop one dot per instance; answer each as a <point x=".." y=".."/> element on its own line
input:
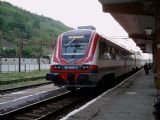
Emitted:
<point x="73" y="75"/>
<point x="73" y="59"/>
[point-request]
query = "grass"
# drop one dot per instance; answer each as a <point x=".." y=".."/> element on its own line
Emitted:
<point x="20" y="75"/>
<point x="22" y="84"/>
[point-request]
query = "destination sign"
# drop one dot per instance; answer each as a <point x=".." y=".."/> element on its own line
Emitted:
<point x="75" y="37"/>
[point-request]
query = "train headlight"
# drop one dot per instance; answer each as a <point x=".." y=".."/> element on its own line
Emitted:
<point x="56" y="67"/>
<point x="85" y="67"/>
<point x="91" y="68"/>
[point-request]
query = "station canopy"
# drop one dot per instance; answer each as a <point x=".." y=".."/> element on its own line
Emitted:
<point x="137" y="17"/>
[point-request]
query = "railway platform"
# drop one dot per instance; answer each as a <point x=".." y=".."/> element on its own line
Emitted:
<point x="133" y="99"/>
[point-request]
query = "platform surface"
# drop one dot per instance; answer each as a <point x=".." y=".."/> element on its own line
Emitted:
<point x="131" y="100"/>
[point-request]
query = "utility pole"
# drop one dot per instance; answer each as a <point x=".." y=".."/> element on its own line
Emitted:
<point x="40" y="55"/>
<point x="1" y="51"/>
<point x="20" y="48"/>
<point x="41" y="44"/>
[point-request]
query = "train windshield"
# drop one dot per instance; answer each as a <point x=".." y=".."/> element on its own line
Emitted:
<point x="74" y="46"/>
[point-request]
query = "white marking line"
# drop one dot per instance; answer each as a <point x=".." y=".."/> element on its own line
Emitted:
<point x="20" y="92"/>
<point x="131" y="93"/>
<point x="92" y="101"/>
<point x="26" y="96"/>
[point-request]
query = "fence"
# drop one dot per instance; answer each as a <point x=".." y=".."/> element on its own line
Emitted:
<point x="24" y="67"/>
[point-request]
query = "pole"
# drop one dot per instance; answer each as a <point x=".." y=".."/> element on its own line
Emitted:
<point x="0" y="52"/>
<point x="19" y="59"/>
<point x="40" y="54"/>
<point x="20" y="53"/>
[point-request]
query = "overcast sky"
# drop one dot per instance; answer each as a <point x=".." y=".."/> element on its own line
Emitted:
<point x="75" y="13"/>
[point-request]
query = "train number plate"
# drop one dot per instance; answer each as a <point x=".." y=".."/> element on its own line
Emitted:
<point x="70" y="67"/>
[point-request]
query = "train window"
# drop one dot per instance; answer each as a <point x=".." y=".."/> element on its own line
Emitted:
<point x="116" y="55"/>
<point x="101" y="49"/>
<point x="107" y="56"/>
<point x="130" y="57"/>
<point x="74" y="47"/>
<point x="120" y="55"/>
<point x="111" y="52"/>
<point x="104" y="50"/>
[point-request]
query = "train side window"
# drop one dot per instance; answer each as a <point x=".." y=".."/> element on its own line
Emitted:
<point x="131" y="57"/>
<point x="107" y="56"/>
<point x="102" y="47"/>
<point x="105" y="51"/>
<point x="114" y="53"/>
<point x="111" y="51"/>
<point x="121" y="55"/>
<point x="117" y="56"/>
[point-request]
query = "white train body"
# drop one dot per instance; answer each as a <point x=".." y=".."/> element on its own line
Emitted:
<point x="82" y="58"/>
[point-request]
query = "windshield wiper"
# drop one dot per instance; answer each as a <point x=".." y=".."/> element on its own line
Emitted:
<point x="69" y="42"/>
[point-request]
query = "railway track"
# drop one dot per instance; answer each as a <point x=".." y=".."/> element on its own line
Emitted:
<point x="10" y="90"/>
<point x="11" y="85"/>
<point x="21" y="80"/>
<point x="43" y="109"/>
<point x="54" y="106"/>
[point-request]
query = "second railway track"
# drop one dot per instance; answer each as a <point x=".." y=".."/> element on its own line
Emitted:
<point x="11" y="90"/>
<point x="45" y="108"/>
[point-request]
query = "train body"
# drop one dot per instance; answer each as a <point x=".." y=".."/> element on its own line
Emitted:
<point x="82" y="57"/>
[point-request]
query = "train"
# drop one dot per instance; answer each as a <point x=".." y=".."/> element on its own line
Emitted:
<point x="83" y="57"/>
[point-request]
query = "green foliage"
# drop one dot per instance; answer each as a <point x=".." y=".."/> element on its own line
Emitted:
<point x="31" y="51"/>
<point x="16" y="23"/>
<point x="11" y="52"/>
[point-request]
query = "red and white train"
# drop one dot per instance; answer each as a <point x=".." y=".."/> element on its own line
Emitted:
<point x="82" y="57"/>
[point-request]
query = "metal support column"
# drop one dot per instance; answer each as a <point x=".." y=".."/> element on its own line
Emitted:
<point x="157" y="44"/>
